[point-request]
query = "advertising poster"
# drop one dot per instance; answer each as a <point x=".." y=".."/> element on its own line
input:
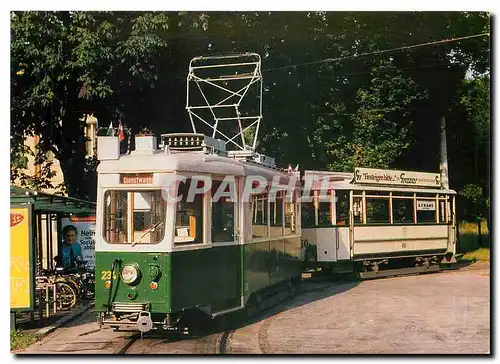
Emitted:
<point x="21" y="264"/>
<point x="85" y="226"/>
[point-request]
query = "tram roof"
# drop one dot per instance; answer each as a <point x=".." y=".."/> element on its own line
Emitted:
<point x="192" y="162"/>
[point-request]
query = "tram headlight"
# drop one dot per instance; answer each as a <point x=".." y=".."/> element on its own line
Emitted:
<point x="130" y="274"/>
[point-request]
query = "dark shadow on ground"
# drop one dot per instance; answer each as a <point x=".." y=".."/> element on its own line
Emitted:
<point x="26" y="321"/>
<point x="310" y="290"/>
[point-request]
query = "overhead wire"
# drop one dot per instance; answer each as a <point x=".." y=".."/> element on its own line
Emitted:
<point x="420" y="45"/>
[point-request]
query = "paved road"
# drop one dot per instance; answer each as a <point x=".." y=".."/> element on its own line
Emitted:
<point x="435" y="313"/>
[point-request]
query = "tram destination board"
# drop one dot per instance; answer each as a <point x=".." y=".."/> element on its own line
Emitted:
<point x="136" y="178"/>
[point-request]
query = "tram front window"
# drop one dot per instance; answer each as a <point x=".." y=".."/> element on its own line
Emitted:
<point x="134" y="216"/>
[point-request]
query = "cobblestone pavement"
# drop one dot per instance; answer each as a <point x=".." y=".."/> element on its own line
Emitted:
<point x="427" y="314"/>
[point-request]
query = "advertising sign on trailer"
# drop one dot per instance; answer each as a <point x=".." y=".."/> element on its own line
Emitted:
<point x="402" y="178"/>
<point x="85" y="237"/>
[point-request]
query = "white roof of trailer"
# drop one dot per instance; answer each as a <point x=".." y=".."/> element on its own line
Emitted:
<point x="194" y="162"/>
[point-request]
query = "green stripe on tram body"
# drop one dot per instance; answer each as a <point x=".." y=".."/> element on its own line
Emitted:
<point x="216" y="276"/>
<point x="188" y="278"/>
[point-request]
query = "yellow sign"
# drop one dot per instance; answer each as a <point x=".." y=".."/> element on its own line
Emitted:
<point x="20" y="282"/>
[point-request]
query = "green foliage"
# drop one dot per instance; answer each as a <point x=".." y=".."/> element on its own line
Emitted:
<point x="65" y="65"/>
<point x="477" y="204"/>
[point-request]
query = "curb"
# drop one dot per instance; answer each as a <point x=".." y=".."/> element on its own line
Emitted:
<point x="47" y="330"/>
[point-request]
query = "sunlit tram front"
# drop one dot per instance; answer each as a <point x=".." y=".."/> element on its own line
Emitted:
<point x="172" y="251"/>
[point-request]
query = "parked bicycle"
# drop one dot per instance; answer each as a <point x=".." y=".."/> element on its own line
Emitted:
<point x="71" y="285"/>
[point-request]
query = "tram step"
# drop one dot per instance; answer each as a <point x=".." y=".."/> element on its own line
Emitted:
<point x="398" y="272"/>
<point x="223" y="312"/>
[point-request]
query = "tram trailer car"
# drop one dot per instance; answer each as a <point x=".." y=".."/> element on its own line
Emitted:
<point x="164" y="265"/>
<point x="375" y="219"/>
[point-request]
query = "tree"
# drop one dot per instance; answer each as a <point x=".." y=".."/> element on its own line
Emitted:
<point x="477" y="206"/>
<point x="65" y="65"/>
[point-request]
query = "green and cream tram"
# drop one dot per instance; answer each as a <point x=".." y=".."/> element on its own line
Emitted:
<point x="162" y="262"/>
<point x="373" y="219"/>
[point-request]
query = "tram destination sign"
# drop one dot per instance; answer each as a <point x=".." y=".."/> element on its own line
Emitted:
<point x="393" y="177"/>
<point x="426" y="205"/>
<point x="136" y="178"/>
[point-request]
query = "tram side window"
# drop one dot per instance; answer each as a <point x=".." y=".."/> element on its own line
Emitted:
<point x="324" y="212"/>
<point x="307" y="214"/>
<point x="377" y="210"/>
<point x="342" y="207"/>
<point x="290" y="216"/>
<point x="444" y="209"/>
<point x="358" y="210"/>
<point x="222" y="214"/>
<point x="188" y="217"/>
<point x="144" y="210"/>
<point x="259" y="216"/>
<point x="276" y="215"/>
<point x="402" y="211"/>
<point x="426" y="214"/>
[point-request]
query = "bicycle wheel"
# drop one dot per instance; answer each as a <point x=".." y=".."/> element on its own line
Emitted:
<point x="73" y="282"/>
<point x="66" y="296"/>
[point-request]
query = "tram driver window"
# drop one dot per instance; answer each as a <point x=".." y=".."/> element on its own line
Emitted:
<point x="188" y="217"/>
<point x="142" y="211"/>
<point x="222" y="214"/>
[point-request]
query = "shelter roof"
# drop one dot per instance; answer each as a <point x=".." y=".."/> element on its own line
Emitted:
<point x="49" y="203"/>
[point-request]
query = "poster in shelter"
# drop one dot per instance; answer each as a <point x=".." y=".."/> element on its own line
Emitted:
<point x="85" y="226"/>
<point x="21" y="260"/>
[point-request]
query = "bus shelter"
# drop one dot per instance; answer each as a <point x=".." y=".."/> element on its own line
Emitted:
<point x="35" y="228"/>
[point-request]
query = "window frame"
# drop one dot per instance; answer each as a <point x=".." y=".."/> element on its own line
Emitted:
<point x="129" y="215"/>
<point x="210" y="205"/>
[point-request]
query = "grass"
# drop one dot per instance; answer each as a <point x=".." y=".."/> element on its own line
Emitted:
<point x="468" y="241"/>
<point x="21" y="340"/>
<point x="479" y="255"/>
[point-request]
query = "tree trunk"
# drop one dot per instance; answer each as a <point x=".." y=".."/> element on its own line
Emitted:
<point x="479" y="235"/>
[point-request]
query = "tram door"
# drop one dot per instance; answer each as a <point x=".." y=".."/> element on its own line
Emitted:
<point x="331" y="234"/>
<point x="334" y="243"/>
